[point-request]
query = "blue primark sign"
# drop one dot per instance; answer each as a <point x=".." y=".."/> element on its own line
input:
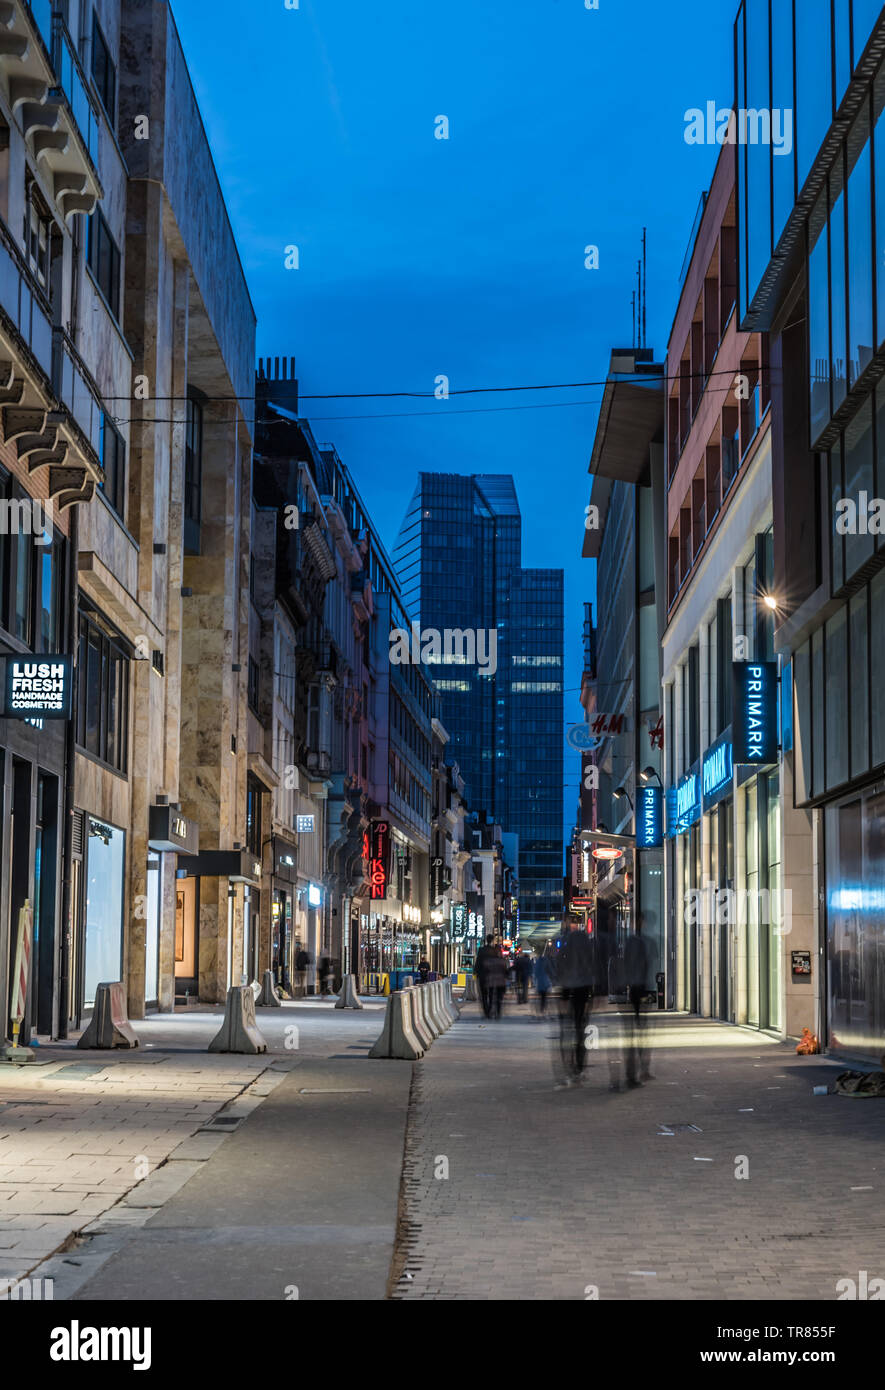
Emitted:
<point x="716" y="770"/>
<point x="684" y="802"/>
<point x="649" y="818"/>
<point x="754" y="727"/>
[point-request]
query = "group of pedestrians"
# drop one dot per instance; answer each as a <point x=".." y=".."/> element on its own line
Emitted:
<point x="578" y="970"/>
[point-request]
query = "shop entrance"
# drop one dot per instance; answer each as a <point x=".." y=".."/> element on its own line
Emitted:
<point x="187" y="946"/>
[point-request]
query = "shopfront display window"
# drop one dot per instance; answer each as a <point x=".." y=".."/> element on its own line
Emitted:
<point x="105" y="863"/>
<point x="855" y="893"/>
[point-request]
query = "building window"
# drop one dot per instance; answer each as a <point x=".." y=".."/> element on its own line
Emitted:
<point x="103" y="257"/>
<point x="102" y="695"/>
<point x="50" y="562"/>
<point x="253" y="685"/>
<point x="104" y="72"/>
<point x="113" y="461"/>
<point x="36" y="238"/>
<point x="253" y="817"/>
<point x="193" y="476"/>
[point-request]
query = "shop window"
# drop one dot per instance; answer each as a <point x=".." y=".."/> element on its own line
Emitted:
<point x="103" y="257"/>
<point x="105" y="862"/>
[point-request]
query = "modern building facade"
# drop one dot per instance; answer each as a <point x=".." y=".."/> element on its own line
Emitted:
<point x="811" y="274"/>
<point x="458" y="556"/>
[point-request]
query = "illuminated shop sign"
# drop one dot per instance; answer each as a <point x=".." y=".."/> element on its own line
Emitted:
<point x="379" y="865"/>
<point x="755" y="712"/>
<point x="684" y="802"/>
<point x="649" y="818"/>
<point x="36" y="689"/>
<point x="314" y="895"/>
<point x="459" y="921"/>
<point x="716" y="772"/>
<point x="305" y="824"/>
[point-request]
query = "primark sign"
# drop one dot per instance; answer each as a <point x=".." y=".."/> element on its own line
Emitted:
<point x="754" y="710"/>
<point x="716" y="771"/>
<point x="37" y="687"/>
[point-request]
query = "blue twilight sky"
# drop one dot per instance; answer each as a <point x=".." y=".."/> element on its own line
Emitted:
<point x="463" y="257"/>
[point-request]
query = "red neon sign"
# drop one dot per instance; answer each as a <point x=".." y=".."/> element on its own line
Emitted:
<point x="379" y="867"/>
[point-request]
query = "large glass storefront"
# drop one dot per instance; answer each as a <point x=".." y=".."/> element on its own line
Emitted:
<point x="105" y="865"/>
<point x="854" y="831"/>
<point x="763" y="919"/>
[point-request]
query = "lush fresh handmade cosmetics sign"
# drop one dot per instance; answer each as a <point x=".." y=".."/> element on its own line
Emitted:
<point x="754" y="725"/>
<point x="36" y="688"/>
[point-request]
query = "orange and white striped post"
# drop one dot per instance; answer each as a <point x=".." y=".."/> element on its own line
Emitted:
<point x="22" y="976"/>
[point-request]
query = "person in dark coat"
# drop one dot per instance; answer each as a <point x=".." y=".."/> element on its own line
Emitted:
<point x="496" y="981"/>
<point x="576" y="975"/>
<point x="543" y="980"/>
<point x="485" y="954"/>
<point x="524" y="971"/>
<point x="324" y="971"/>
<point x="423" y="970"/>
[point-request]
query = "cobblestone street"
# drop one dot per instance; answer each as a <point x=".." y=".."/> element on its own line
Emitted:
<point x="586" y="1193"/>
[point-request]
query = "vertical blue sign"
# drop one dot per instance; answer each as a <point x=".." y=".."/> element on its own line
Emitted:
<point x="649" y="818"/>
<point x="754" y="727"/>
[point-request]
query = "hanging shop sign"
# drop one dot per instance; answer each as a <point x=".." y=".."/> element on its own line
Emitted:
<point x="459" y="921"/>
<point x="684" y="802"/>
<point x="171" y="832"/>
<point x="754" y="727"/>
<point x="35" y="689"/>
<point x="379" y="864"/>
<point x="581" y="737"/>
<point x="305" y="825"/>
<point x="649" y="818"/>
<point x="716" y="771"/>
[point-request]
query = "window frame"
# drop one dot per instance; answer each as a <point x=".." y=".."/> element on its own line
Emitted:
<point x="110" y="68"/>
<point x="100" y="243"/>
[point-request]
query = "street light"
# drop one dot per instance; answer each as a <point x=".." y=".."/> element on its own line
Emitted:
<point x="648" y="772"/>
<point x="622" y="791"/>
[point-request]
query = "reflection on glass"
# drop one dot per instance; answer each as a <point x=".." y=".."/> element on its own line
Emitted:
<point x="838" y="316"/>
<point x="837" y="699"/>
<point x="855" y="858"/>
<point x="860" y="713"/>
<point x="858" y="481"/>
<point x="819" y="334"/>
<point x="752" y="924"/>
<point x="104" y="906"/>
<point x="877" y="667"/>
<point x="778" y="913"/>
<point x="860" y="267"/>
<point x="879" y="150"/>
<point x="813" y="81"/>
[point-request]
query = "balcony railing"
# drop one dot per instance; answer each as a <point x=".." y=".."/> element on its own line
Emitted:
<point x="23" y="303"/>
<point x="70" y="384"/>
<point x="73" y="84"/>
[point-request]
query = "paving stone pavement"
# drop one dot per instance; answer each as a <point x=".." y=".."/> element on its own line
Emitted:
<point x="583" y="1194"/>
<point x="92" y="1141"/>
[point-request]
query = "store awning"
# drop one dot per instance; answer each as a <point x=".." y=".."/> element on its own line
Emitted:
<point x="171" y="832"/>
<point x="238" y="865"/>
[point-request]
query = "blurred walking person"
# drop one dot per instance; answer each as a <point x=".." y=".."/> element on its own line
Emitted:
<point x="523" y="977"/>
<point x="496" y="981"/>
<point x="484" y="955"/>
<point x="639" y="965"/>
<point x="543" y="980"/>
<point x="575" y="976"/>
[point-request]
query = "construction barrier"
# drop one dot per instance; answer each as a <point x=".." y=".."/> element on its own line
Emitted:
<point x="374" y="982"/>
<point x="429" y="1024"/>
<point x="452" y="1009"/>
<point x="239" y="1031"/>
<point x="420" y="1025"/>
<point x="397" y="1036"/>
<point x="347" y="995"/>
<point x="109" y="1025"/>
<point x="470" y="992"/>
<point x="267" y="995"/>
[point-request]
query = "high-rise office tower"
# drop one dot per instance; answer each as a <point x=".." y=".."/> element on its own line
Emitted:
<point x="458" y="557"/>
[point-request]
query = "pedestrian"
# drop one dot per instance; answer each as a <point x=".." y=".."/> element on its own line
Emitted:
<point x="496" y="981"/>
<point x="485" y="953"/>
<point x="576" y="973"/>
<point x="424" y="970"/>
<point x="638" y="967"/>
<point x="543" y="980"/>
<point x="302" y="965"/>
<point x="323" y="973"/>
<point x="523" y="977"/>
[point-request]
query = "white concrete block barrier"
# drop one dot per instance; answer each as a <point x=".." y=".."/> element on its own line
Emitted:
<point x="448" y="996"/>
<point x="239" y="1031"/>
<point x="434" y="996"/>
<point x="424" y="1003"/>
<point x="420" y="1024"/>
<point x="397" y="1036"/>
<point x="109" y="1025"/>
<point x="268" y="998"/>
<point x="470" y="995"/>
<point x="347" y="995"/>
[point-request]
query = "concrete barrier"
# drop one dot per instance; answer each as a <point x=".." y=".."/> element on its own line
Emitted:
<point x="109" y="1025"/>
<point x="435" y="1007"/>
<point x="268" y="997"/>
<point x="397" y="1038"/>
<point x="449" y="1001"/>
<point x="239" y="1031"/>
<point x="470" y="993"/>
<point x="424" y="1000"/>
<point x="347" y="995"/>
<point x="420" y="1025"/>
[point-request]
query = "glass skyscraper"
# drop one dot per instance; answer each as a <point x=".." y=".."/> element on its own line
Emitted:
<point x="458" y="558"/>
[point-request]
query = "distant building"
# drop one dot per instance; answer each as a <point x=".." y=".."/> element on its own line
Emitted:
<point x="458" y="556"/>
